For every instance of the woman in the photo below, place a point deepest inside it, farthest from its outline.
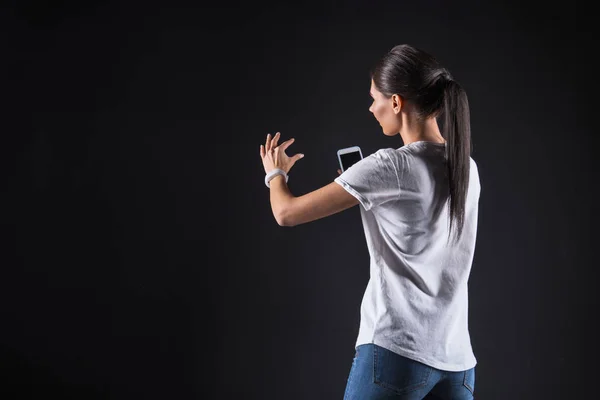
(413, 340)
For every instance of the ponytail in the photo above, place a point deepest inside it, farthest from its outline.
(457, 132)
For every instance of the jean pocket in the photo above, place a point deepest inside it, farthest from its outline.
(397, 373)
(469, 380)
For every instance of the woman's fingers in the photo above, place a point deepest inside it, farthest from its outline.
(286, 144)
(275, 140)
(271, 141)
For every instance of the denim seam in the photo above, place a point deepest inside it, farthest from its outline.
(390, 387)
(467, 385)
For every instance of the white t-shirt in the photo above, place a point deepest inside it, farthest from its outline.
(416, 301)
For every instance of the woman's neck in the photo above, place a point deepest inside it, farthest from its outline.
(422, 131)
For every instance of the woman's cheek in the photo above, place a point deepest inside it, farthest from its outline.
(378, 113)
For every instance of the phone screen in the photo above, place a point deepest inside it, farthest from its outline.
(349, 159)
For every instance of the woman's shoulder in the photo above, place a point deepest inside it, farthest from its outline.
(386, 151)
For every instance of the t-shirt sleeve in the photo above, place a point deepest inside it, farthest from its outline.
(372, 180)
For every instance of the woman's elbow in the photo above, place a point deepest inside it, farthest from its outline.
(284, 219)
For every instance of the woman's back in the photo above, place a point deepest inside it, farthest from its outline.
(416, 301)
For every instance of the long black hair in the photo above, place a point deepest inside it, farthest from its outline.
(418, 78)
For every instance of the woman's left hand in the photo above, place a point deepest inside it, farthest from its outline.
(274, 156)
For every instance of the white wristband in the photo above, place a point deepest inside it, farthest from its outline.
(273, 173)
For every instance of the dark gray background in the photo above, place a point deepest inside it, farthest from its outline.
(141, 258)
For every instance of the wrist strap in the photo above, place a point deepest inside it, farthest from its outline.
(273, 173)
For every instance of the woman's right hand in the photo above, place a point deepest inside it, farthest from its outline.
(339, 171)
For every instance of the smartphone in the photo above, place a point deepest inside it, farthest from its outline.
(349, 156)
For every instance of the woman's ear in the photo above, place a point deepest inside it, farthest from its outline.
(397, 102)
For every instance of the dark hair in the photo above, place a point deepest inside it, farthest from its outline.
(418, 78)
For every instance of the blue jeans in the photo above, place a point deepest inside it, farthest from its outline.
(378, 373)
